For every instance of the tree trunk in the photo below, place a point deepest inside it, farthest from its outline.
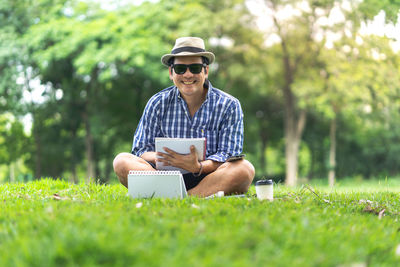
(74, 175)
(310, 174)
(293, 131)
(293, 126)
(97, 170)
(109, 159)
(89, 148)
(107, 170)
(263, 158)
(264, 142)
(12, 172)
(89, 142)
(332, 153)
(74, 160)
(295, 119)
(38, 147)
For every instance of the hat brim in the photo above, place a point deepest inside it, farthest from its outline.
(210, 56)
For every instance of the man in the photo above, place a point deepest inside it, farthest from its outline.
(190, 109)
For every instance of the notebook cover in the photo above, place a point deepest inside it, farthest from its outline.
(182, 146)
(149, 184)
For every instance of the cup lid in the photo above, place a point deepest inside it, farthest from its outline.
(264, 182)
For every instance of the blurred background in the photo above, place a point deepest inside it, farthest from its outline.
(318, 80)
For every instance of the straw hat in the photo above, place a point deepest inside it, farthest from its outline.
(188, 46)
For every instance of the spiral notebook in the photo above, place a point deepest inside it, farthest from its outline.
(161, 184)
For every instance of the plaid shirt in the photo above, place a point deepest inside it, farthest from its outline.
(219, 119)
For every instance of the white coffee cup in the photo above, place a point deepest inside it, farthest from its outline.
(265, 190)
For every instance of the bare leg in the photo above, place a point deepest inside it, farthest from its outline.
(124, 162)
(230, 177)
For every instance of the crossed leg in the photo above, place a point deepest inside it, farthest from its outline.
(230, 177)
(124, 162)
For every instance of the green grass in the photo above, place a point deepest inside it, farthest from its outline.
(98, 225)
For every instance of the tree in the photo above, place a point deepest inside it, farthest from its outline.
(105, 74)
(14, 143)
(302, 30)
(342, 91)
(299, 55)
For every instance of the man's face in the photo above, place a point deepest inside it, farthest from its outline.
(189, 84)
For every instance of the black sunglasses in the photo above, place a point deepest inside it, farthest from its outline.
(194, 68)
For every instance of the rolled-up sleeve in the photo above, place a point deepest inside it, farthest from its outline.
(143, 140)
(230, 135)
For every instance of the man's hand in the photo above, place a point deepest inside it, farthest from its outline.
(149, 156)
(189, 162)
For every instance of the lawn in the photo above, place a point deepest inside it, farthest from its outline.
(55, 223)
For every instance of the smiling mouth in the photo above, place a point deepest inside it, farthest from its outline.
(187, 83)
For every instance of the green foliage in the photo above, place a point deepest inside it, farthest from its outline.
(99, 67)
(14, 146)
(13, 141)
(95, 66)
(53, 223)
(370, 8)
(107, 65)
